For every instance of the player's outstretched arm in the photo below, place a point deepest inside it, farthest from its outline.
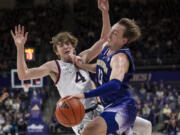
(24, 73)
(91, 53)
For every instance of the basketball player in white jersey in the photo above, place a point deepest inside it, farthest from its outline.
(67, 78)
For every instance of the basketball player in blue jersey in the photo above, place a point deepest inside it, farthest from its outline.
(114, 69)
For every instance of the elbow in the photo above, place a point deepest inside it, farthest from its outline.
(21, 77)
(103, 39)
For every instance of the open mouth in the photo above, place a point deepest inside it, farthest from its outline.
(67, 52)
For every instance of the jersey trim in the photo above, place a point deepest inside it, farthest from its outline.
(59, 72)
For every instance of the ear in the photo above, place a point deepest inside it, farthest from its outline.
(125, 40)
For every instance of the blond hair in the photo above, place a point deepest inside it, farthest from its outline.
(132, 31)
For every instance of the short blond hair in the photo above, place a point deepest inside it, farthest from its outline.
(63, 37)
(132, 31)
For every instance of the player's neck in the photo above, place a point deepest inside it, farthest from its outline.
(116, 48)
(67, 60)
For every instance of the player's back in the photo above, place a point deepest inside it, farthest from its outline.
(72, 80)
(103, 71)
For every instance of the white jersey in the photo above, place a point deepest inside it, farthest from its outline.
(72, 80)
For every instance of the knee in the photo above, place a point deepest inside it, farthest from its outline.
(95, 127)
(88, 130)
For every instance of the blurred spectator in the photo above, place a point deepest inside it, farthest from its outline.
(146, 111)
(172, 125)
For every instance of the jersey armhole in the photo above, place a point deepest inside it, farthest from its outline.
(59, 72)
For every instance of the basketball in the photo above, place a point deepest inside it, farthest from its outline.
(69, 112)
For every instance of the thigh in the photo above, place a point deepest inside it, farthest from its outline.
(96, 127)
(119, 119)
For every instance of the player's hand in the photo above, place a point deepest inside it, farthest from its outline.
(79, 96)
(18, 36)
(103, 5)
(77, 60)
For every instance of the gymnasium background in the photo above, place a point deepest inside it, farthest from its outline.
(155, 85)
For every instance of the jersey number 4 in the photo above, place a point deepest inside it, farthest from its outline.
(79, 77)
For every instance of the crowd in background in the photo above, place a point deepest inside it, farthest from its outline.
(15, 110)
(159, 102)
(158, 20)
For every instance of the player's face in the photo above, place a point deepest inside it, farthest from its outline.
(115, 38)
(64, 49)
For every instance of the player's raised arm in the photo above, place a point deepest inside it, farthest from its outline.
(91, 53)
(103, 5)
(24, 73)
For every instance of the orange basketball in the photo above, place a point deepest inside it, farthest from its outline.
(69, 112)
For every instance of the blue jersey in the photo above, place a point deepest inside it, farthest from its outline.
(103, 72)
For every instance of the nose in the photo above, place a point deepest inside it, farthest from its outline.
(65, 46)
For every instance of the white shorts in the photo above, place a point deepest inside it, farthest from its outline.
(87, 118)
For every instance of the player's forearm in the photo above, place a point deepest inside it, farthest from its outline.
(89, 67)
(21, 65)
(108, 88)
(93, 52)
(106, 25)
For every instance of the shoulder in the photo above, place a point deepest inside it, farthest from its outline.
(119, 60)
(120, 57)
(50, 63)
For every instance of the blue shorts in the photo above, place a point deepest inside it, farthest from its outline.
(120, 118)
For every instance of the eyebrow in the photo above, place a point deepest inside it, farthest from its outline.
(115, 31)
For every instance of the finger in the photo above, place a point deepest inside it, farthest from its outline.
(26, 35)
(70, 97)
(65, 97)
(22, 32)
(15, 29)
(12, 34)
(19, 29)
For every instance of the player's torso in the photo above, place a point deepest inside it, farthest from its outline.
(73, 81)
(103, 72)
